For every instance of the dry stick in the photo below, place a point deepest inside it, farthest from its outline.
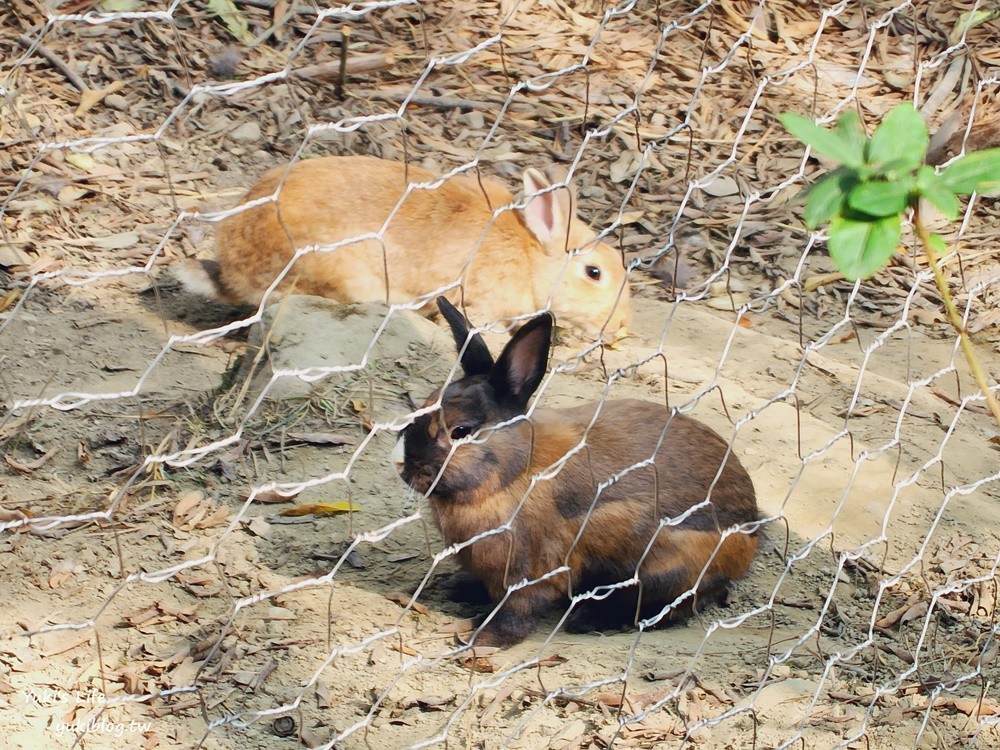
(821, 279)
(345, 43)
(357, 64)
(955, 318)
(429, 100)
(62, 67)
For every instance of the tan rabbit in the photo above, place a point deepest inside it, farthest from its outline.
(520, 262)
(603, 519)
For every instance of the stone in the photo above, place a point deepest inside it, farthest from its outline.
(312, 341)
(248, 132)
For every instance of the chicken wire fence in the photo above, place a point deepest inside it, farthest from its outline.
(161, 592)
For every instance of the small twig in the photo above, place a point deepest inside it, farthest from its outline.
(948, 398)
(428, 100)
(357, 64)
(273, 29)
(815, 282)
(796, 603)
(345, 44)
(955, 318)
(62, 67)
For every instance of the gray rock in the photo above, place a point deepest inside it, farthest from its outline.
(117, 101)
(474, 120)
(248, 132)
(313, 341)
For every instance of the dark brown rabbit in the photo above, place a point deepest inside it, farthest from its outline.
(573, 522)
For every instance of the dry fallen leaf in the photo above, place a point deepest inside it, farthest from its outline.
(321, 509)
(457, 626)
(216, 518)
(194, 578)
(918, 610)
(184, 614)
(70, 194)
(189, 510)
(30, 466)
(477, 664)
(259, 527)
(897, 614)
(61, 572)
(143, 616)
(11, 256)
(183, 674)
(234, 20)
(552, 661)
(401, 557)
(7, 515)
(972, 707)
(83, 162)
(429, 702)
(61, 641)
(612, 700)
(403, 648)
(90, 98)
(110, 242)
(323, 696)
(404, 601)
(273, 496)
(9, 299)
(132, 679)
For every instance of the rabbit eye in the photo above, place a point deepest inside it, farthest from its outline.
(593, 272)
(460, 432)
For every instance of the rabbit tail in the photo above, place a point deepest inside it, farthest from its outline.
(204, 279)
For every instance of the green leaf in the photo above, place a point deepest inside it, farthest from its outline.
(978, 172)
(828, 196)
(926, 177)
(851, 131)
(969, 20)
(937, 243)
(900, 142)
(880, 198)
(930, 187)
(860, 248)
(944, 201)
(235, 21)
(822, 141)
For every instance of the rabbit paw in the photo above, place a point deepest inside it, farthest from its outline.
(463, 587)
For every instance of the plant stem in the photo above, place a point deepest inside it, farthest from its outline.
(955, 318)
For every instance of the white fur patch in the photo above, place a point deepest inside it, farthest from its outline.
(196, 280)
(398, 453)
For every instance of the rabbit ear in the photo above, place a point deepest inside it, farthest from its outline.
(476, 357)
(522, 364)
(547, 216)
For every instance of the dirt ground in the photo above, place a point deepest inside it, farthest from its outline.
(160, 599)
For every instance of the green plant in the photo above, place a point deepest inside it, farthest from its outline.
(879, 180)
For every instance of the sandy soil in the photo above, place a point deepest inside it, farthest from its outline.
(260, 615)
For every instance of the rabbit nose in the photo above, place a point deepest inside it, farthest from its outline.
(398, 454)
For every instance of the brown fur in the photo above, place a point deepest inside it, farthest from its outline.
(562, 521)
(617, 531)
(435, 237)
